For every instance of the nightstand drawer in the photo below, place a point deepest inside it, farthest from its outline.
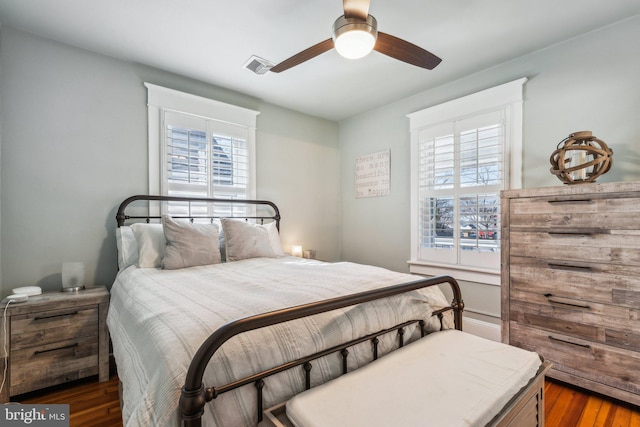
(55, 363)
(42, 328)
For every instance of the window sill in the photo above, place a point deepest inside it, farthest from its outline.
(458, 272)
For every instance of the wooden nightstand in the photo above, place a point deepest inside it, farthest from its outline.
(54, 338)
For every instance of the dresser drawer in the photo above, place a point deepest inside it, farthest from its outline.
(611, 366)
(602, 323)
(593, 211)
(620, 247)
(55, 363)
(45, 327)
(602, 283)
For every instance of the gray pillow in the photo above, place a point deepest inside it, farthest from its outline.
(246, 240)
(189, 245)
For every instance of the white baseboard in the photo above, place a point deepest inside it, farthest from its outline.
(482, 329)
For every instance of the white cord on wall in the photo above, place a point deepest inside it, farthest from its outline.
(4, 345)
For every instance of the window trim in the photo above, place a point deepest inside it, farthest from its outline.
(508, 96)
(159, 98)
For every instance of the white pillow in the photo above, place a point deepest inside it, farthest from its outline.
(127, 247)
(223, 249)
(189, 245)
(246, 240)
(274, 239)
(151, 244)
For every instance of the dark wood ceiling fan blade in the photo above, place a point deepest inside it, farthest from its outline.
(303, 56)
(405, 51)
(356, 8)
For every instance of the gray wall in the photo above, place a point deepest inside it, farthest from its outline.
(587, 83)
(74, 144)
(299, 169)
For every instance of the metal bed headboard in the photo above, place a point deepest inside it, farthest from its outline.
(121, 217)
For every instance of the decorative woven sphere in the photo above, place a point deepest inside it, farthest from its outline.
(580, 158)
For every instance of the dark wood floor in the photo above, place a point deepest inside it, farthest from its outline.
(94, 404)
(91, 404)
(566, 406)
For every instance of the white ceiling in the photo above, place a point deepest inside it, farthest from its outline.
(210, 40)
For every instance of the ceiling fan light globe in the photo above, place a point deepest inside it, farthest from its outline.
(355, 38)
(355, 44)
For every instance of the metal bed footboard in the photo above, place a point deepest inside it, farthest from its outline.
(195, 395)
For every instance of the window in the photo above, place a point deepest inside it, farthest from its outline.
(464, 153)
(204, 157)
(199, 147)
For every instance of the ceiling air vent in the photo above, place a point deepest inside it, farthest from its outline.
(258, 65)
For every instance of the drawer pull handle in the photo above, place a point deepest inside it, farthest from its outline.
(571, 201)
(573, 233)
(55, 315)
(569, 342)
(569, 267)
(66, 347)
(571, 304)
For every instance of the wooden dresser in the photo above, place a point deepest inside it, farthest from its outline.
(571, 282)
(54, 338)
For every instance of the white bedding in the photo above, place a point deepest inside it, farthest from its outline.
(158, 319)
(450, 379)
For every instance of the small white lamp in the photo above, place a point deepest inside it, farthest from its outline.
(72, 276)
(296, 250)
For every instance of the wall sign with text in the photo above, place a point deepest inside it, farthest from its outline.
(373, 174)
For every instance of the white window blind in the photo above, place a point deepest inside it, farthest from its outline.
(200, 147)
(204, 158)
(461, 157)
(460, 176)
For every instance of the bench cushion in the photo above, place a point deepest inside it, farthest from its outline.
(448, 378)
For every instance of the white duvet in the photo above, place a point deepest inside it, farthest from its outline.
(158, 319)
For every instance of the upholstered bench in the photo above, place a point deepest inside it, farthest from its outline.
(448, 379)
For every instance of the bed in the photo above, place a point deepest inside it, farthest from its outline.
(212, 340)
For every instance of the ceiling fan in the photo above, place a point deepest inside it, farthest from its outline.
(355, 34)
